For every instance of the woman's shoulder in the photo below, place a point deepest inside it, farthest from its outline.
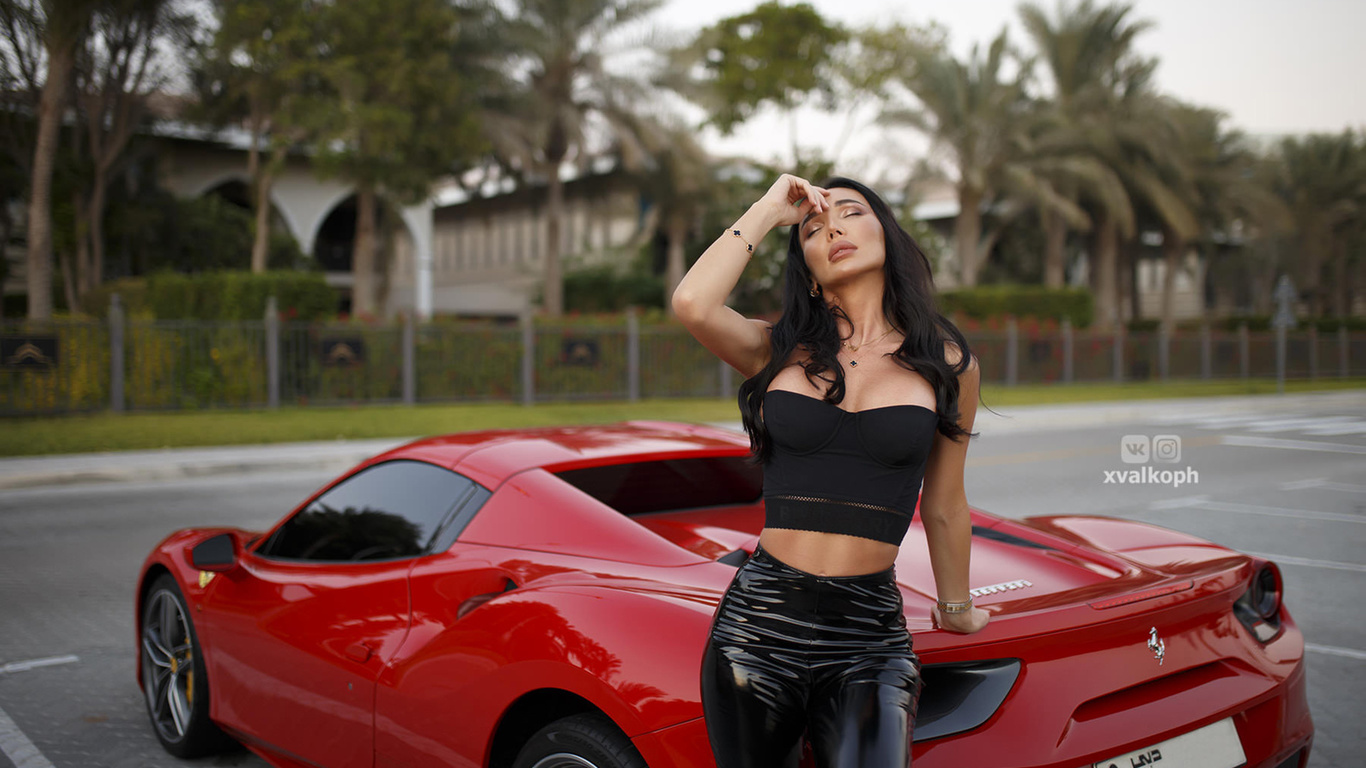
(953, 354)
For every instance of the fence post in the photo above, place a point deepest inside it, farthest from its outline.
(633, 354)
(727, 384)
(1117, 358)
(409, 360)
(1244, 355)
(1012, 352)
(1313, 352)
(1067, 371)
(272, 352)
(1206, 362)
(528, 360)
(1164, 342)
(1280, 358)
(1342, 351)
(116, 369)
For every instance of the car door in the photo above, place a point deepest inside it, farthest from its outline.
(303, 627)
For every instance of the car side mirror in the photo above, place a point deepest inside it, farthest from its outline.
(217, 553)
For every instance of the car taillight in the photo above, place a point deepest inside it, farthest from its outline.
(1266, 592)
(1259, 608)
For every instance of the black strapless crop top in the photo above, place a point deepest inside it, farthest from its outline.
(852, 472)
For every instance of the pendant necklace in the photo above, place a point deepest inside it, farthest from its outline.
(854, 348)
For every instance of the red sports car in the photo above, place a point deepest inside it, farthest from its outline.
(542, 598)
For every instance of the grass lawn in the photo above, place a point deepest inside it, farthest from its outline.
(112, 432)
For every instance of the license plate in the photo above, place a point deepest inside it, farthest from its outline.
(1214, 746)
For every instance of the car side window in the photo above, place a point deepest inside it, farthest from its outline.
(391, 510)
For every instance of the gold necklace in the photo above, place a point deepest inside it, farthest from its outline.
(852, 348)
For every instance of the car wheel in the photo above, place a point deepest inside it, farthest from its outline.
(581, 741)
(173, 681)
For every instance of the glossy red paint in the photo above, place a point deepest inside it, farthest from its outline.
(549, 602)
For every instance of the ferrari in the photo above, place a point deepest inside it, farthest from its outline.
(541, 598)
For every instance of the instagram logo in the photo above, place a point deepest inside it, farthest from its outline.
(1158, 449)
(1166, 448)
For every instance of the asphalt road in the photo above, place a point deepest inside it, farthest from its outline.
(1287, 482)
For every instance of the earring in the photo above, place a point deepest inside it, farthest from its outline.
(814, 293)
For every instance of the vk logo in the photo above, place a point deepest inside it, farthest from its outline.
(1134, 449)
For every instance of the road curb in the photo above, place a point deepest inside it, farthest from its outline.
(174, 464)
(339, 455)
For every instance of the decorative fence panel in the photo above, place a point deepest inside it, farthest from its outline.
(71, 367)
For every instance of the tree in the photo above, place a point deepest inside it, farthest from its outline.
(121, 64)
(1322, 180)
(1101, 109)
(64, 24)
(676, 178)
(1219, 187)
(968, 109)
(557, 49)
(396, 113)
(775, 55)
(253, 70)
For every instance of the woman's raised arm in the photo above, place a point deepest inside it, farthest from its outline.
(700, 299)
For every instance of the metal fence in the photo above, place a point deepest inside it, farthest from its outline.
(70, 366)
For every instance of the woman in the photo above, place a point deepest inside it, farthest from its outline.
(856, 395)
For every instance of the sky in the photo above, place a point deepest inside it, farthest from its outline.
(1274, 66)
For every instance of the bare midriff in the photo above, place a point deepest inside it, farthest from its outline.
(828, 554)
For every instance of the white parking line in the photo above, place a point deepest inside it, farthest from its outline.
(1202, 502)
(1306, 424)
(1310, 563)
(24, 666)
(1324, 483)
(18, 748)
(1296, 445)
(1333, 650)
(1350, 428)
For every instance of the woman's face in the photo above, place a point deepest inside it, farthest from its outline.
(843, 241)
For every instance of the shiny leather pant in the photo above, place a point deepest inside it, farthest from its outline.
(792, 652)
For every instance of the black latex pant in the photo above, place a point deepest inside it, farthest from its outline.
(792, 652)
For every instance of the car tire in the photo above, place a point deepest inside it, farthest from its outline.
(588, 740)
(174, 683)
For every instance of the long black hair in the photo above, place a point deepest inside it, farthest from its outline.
(808, 322)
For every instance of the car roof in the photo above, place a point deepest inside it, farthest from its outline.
(492, 456)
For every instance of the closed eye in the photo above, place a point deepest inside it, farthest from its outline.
(851, 208)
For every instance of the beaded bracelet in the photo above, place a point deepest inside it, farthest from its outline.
(748, 247)
(949, 606)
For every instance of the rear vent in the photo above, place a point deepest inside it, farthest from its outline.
(1160, 689)
(1006, 538)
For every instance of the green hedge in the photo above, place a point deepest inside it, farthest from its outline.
(239, 295)
(1021, 301)
(601, 289)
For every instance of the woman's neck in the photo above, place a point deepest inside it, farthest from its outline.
(862, 303)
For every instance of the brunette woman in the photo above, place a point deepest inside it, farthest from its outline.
(859, 402)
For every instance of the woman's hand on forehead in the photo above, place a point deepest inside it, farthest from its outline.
(792, 198)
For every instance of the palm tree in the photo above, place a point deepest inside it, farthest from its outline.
(1221, 188)
(1103, 108)
(558, 45)
(677, 174)
(1322, 179)
(969, 110)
